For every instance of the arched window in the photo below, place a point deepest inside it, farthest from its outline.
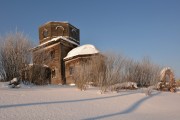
(52, 54)
(71, 70)
(75, 33)
(45, 33)
(60, 30)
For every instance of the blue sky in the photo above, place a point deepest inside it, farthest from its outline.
(135, 28)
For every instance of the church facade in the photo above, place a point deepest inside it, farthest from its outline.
(56, 39)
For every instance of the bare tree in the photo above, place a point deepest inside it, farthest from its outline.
(102, 70)
(89, 70)
(111, 70)
(114, 66)
(178, 83)
(82, 76)
(14, 55)
(149, 74)
(144, 72)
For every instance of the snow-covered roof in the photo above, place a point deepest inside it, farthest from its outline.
(56, 39)
(87, 49)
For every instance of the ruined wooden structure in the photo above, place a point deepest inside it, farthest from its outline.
(167, 80)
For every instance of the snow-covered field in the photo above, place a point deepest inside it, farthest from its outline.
(67, 103)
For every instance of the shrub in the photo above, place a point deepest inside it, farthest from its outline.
(89, 70)
(178, 83)
(14, 55)
(148, 91)
(111, 69)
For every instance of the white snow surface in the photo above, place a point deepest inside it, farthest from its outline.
(59, 102)
(87, 49)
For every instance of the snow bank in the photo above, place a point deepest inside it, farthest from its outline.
(124, 85)
(87, 49)
(4, 84)
(178, 90)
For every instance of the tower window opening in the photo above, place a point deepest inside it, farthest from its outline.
(53, 73)
(71, 70)
(52, 54)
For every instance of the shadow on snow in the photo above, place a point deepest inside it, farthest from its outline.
(61, 102)
(130, 109)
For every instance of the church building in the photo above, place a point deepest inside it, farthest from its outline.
(56, 40)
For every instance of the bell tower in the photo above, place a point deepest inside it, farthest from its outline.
(54, 29)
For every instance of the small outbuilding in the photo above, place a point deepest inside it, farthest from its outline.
(76, 57)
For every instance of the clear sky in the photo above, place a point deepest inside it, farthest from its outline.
(135, 28)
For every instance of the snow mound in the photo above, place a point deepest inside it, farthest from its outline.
(4, 84)
(87, 49)
(178, 90)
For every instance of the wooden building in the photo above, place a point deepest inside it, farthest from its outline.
(56, 39)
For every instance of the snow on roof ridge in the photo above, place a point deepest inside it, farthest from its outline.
(86, 49)
(55, 39)
(66, 39)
